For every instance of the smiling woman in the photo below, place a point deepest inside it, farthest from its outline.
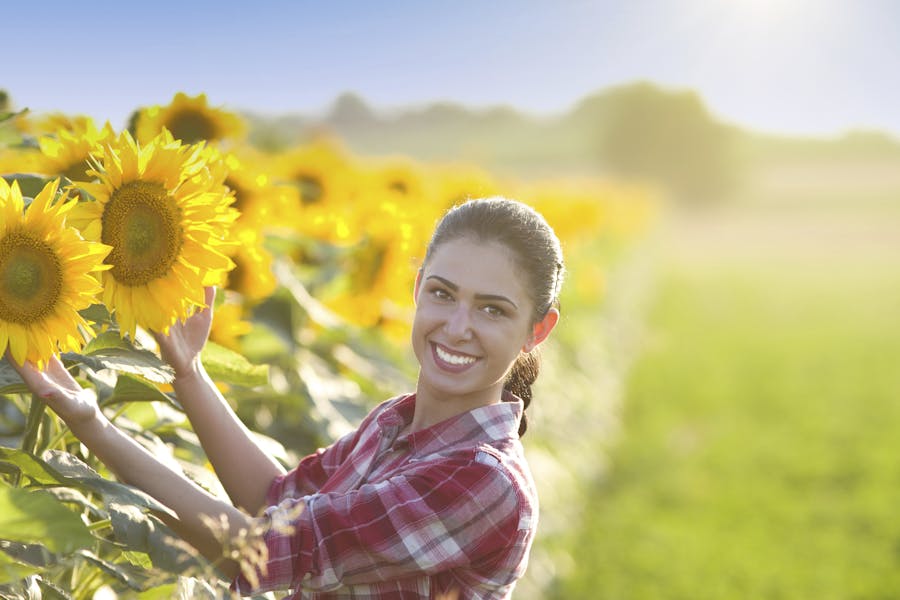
(431, 497)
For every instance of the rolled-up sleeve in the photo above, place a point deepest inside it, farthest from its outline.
(434, 517)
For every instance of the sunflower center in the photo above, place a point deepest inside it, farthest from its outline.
(399, 186)
(30, 278)
(142, 223)
(77, 171)
(310, 187)
(191, 126)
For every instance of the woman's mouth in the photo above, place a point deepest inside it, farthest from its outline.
(451, 361)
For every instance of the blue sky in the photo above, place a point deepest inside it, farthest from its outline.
(794, 66)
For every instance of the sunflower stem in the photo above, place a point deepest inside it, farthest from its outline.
(33, 424)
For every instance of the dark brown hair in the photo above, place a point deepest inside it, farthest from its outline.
(536, 252)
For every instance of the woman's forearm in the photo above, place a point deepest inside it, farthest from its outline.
(245, 470)
(135, 465)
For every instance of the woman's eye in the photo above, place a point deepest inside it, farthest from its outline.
(494, 311)
(440, 294)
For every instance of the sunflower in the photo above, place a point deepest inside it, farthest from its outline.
(164, 210)
(252, 276)
(45, 275)
(228, 325)
(19, 160)
(67, 152)
(457, 184)
(261, 202)
(189, 119)
(379, 271)
(322, 179)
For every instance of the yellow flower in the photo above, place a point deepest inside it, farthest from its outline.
(379, 271)
(189, 119)
(18, 160)
(252, 276)
(262, 204)
(228, 326)
(164, 210)
(460, 183)
(322, 181)
(67, 152)
(45, 275)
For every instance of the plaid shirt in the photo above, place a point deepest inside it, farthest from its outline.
(446, 512)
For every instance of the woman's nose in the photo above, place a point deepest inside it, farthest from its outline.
(459, 322)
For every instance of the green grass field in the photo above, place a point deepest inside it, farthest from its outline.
(760, 448)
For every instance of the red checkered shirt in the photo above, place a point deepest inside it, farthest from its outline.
(446, 512)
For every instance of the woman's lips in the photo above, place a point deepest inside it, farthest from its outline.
(450, 360)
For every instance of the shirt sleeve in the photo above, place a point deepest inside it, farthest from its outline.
(315, 469)
(312, 471)
(434, 517)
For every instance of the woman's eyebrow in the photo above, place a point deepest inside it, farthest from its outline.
(491, 297)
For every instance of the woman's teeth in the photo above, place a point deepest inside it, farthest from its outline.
(453, 359)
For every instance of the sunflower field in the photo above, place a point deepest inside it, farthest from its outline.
(108, 235)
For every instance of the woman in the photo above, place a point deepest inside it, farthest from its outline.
(431, 496)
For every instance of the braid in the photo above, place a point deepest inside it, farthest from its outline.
(523, 374)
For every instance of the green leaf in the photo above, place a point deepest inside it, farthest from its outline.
(32, 516)
(163, 592)
(228, 366)
(76, 472)
(10, 382)
(130, 388)
(18, 561)
(51, 591)
(98, 313)
(31, 184)
(145, 533)
(133, 576)
(187, 587)
(109, 351)
(37, 471)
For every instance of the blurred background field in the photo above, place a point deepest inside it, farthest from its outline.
(718, 411)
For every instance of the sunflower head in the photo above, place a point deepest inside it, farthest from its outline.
(46, 275)
(164, 210)
(66, 153)
(189, 119)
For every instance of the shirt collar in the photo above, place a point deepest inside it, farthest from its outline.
(490, 423)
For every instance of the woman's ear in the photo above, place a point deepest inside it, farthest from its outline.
(541, 330)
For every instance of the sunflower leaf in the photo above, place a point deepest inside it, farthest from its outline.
(36, 470)
(145, 533)
(126, 572)
(76, 472)
(10, 382)
(109, 351)
(98, 313)
(31, 516)
(12, 569)
(130, 388)
(228, 366)
(30, 183)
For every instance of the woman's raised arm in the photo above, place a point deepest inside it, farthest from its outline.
(244, 468)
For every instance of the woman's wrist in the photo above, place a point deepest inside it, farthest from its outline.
(193, 371)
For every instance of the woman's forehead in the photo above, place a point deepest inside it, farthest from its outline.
(468, 263)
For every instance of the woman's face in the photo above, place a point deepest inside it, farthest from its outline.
(473, 317)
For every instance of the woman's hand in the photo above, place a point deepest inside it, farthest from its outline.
(182, 345)
(56, 386)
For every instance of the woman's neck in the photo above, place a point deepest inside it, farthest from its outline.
(433, 406)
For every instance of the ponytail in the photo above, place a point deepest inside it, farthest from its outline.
(523, 374)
